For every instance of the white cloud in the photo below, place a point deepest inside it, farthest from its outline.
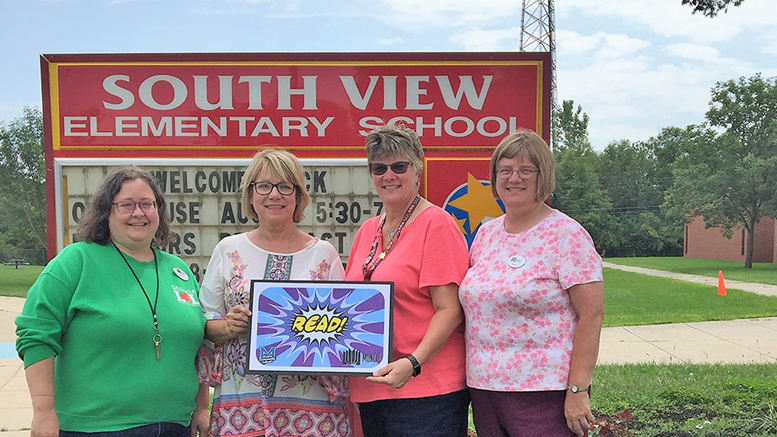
(391, 41)
(572, 43)
(489, 40)
(703, 54)
(668, 18)
(602, 45)
(444, 13)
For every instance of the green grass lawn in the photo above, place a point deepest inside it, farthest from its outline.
(635, 299)
(763, 273)
(15, 282)
(686, 400)
(680, 400)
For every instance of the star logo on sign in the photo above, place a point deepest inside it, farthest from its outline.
(478, 202)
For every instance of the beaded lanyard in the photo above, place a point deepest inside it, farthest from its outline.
(368, 267)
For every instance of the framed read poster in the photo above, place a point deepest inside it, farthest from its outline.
(322, 327)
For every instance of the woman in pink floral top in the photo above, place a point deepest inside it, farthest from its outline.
(533, 304)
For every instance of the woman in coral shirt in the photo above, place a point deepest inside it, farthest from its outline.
(418, 246)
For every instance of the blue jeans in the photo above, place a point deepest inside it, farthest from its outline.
(161, 429)
(435, 416)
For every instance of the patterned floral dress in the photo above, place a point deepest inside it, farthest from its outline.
(262, 404)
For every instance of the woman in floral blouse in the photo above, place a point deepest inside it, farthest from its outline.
(533, 304)
(273, 192)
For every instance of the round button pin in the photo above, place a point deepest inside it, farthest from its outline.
(181, 274)
(516, 261)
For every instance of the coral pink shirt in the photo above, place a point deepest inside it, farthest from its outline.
(430, 251)
(519, 316)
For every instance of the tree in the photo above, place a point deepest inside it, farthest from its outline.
(711, 8)
(578, 191)
(579, 194)
(22, 187)
(570, 128)
(666, 148)
(729, 180)
(629, 173)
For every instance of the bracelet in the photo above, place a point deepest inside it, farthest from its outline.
(43, 397)
(576, 389)
(416, 365)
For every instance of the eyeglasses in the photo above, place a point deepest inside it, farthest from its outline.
(524, 172)
(265, 188)
(399, 167)
(128, 207)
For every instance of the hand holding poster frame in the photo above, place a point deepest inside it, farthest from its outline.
(320, 327)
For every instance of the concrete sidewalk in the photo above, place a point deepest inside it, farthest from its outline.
(733, 342)
(15, 403)
(737, 341)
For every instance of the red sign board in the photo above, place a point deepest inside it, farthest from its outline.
(227, 105)
(166, 107)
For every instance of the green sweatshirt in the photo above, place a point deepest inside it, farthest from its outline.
(87, 309)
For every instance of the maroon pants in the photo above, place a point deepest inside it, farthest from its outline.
(519, 414)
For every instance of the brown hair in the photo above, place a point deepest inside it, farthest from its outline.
(93, 226)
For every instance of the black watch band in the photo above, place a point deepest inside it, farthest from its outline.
(416, 365)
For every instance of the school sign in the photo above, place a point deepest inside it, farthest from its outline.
(195, 120)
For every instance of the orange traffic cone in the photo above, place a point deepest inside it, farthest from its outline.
(721, 285)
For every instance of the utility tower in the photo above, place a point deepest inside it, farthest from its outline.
(538, 34)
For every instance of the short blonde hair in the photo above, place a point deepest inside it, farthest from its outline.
(395, 139)
(282, 165)
(527, 143)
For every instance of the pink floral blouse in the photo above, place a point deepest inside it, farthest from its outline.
(520, 322)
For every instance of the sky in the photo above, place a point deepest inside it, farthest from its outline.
(634, 66)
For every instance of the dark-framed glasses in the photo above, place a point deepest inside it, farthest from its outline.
(265, 188)
(524, 172)
(399, 167)
(128, 206)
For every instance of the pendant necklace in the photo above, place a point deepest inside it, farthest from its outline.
(368, 267)
(259, 238)
(157, 338)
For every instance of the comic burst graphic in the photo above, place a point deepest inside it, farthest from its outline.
(316, 326)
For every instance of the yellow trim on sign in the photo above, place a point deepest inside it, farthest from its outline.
(540, 100)
(54, 98)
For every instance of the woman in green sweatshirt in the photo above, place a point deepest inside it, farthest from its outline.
(111, 327)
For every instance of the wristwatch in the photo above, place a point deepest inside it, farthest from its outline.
(576, 389)
(416, 365)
